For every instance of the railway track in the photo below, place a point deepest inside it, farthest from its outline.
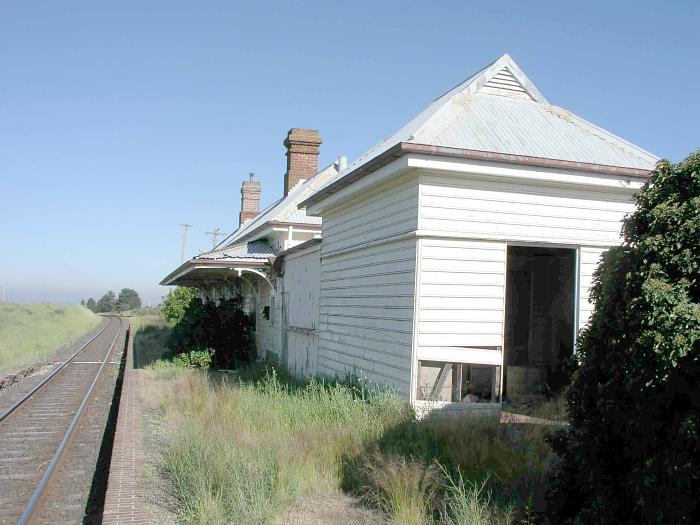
(45, 476)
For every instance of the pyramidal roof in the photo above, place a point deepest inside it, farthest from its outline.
(500, 110)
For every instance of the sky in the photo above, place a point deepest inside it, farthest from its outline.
(121, 120)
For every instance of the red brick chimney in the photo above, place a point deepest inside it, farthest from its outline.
(250, 200)
(302, 156)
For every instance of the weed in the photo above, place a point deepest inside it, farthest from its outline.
(403, 488)
(242, 447)
(469, 503)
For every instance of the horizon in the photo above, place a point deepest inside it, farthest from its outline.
(119, 123)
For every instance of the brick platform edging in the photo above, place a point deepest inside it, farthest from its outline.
(124, 502)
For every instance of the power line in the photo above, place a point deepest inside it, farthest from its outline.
(215, 233)
(186, 228)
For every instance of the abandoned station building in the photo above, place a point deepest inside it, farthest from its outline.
(452, 261)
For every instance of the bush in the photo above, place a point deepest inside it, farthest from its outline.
(197, 358)
(632, 453)
(176, 303)
(225, 329)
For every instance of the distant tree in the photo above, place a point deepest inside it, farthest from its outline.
(128, 300)
(632, 451)
(91, 304)
(176, 303)
(107, 303)
(82, 302)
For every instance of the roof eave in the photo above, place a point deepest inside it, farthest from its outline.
(194, 264)
(257, 232)
(403, 148)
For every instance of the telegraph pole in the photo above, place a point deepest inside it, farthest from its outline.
(215, 233)
(185, 227)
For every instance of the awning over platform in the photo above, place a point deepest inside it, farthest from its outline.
(220, 265)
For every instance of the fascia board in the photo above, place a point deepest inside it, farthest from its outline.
(547, 176)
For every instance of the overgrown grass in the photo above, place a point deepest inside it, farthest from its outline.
(240, 449)
(552, 408)
(29, 333)
(150, 334)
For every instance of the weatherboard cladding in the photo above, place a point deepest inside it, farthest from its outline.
(367, 287)
(589, 257)
(506, 210)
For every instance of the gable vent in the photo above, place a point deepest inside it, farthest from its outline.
(505, 84)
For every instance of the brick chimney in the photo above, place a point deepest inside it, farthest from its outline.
(250, 200)
(302, 156)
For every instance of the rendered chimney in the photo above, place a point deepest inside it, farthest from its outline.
(302, 156)
(250, 200)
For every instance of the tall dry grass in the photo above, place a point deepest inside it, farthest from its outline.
(239, 450)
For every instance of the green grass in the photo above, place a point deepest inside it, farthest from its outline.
(241, 449)
(29, 333)
(150, 333)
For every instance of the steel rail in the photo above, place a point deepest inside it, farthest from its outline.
(36, 496)
(48, 378)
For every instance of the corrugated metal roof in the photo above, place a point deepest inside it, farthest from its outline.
(500, 110)
(521, 127)
(259, 249)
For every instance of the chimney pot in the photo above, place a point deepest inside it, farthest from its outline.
(302, 156)
(342, 163)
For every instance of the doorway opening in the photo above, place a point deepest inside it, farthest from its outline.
(540, 316)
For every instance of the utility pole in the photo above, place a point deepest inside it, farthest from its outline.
(215, 233)
(185, 227)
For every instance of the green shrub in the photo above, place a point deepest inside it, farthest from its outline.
(196, 358)
(632, 453)
(224, 328)
(176, 303)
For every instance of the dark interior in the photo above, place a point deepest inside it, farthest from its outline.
(539, 331)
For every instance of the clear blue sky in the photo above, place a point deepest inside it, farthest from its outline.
(120, 120)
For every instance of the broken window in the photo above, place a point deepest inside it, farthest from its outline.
(458, 382)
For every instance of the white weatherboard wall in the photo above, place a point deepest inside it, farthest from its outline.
(589, 257)
(489, 209)
(465, 226)
(302, 271)
(462, 291)
(367, 286)
(267, 332)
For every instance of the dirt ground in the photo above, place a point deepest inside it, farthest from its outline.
(329, 508)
